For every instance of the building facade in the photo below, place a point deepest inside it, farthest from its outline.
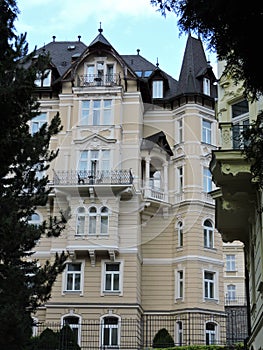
(238, 198)
(133, 171)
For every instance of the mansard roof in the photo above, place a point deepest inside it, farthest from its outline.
(66, 56)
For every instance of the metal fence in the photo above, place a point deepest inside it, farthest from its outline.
(130, 334)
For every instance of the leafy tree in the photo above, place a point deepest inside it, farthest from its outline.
(24, 285)
(163, 339)
(253, 148)
(229, 28)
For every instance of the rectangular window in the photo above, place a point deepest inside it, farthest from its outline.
(112, 277)
(96, 112)
(206, 131)
(180, 284)
(180, 130)
(206, 86)
(73, 277)
(230, 262)
(37, 122)
(180, 179)
(207, 180)
(209, 285)
(157, 89)
(231, 292)
(94, 161)
(85, 112)
(43, 79)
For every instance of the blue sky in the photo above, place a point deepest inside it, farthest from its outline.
(127, 24)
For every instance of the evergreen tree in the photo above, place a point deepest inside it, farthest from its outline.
(230, 28)
(24, 285)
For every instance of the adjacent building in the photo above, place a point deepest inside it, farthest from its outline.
(238, 198)
(133, 170)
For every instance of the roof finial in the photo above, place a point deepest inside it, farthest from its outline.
(157, 63)
(100, 29)
(138, 51)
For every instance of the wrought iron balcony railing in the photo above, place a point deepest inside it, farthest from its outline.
(238, 137)
(88, 177)
(99, 80)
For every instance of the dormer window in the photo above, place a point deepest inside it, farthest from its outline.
(157, 89)
(206, 86)
(43, 79)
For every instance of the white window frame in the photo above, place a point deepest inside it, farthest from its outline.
(35, 219)
(206, 86)
(207, 180)
(157, 89)
(73, 325)
(43, 82)
(180, 174)
(180, 284)
(179, 333)
(103, 277)
(81, 221)
(230, 262)
(208, 283)
(96, 112)
(206, 131)
(74, 273)
(38, 121)
(212, 335)
(94, 160)
(110, 328)
(180, 130)
(231, 292)
(208, 234)
(180, 234)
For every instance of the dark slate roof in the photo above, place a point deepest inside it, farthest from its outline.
(194, 66)
(139, 64)
(63, 53)
(156, 139)
(100, 38)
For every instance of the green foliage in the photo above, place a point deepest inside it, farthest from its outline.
(229, 29)
(50, 340)
(163, 339)
(24, 285)
(253, 148)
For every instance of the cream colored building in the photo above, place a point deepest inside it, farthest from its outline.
(133, 168)
(238, 200)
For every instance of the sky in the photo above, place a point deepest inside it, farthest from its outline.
(127, 24)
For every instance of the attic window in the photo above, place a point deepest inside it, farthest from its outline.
(157, 89)
(206, 86)
(71, 47)
(139, 73)
(147, 73)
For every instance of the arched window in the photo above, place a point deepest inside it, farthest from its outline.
(210, 333)
(104, 220)
(74, 323)
(110, 331)
(208, 234)
(92, 220)
(231, 292)
(180, 234)
(81, 221)
(34, 219)
(179, 333)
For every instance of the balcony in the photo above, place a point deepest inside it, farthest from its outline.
(92, 80)
(85, 181)
(232, 135)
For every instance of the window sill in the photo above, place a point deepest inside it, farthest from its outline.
(108, 293)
